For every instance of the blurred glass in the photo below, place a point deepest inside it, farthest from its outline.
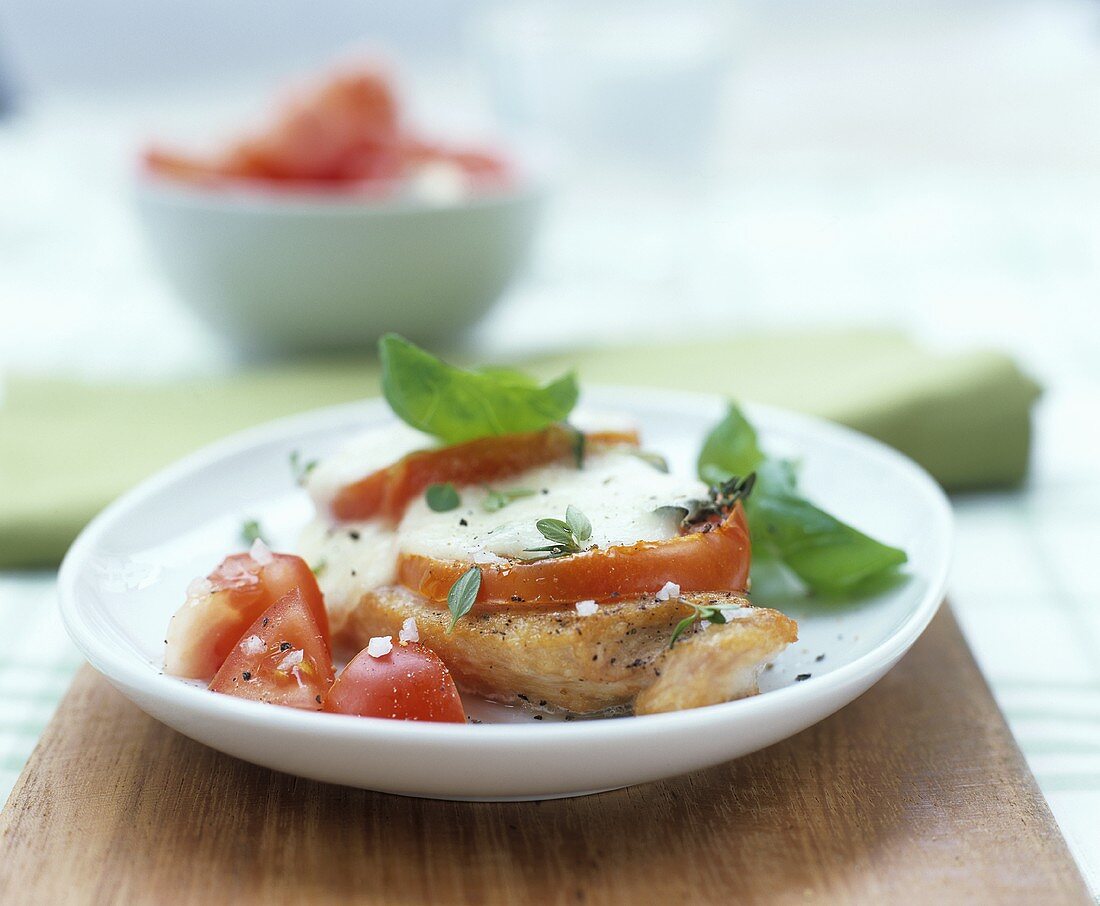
(630, 81)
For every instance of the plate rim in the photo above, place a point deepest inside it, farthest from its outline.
(118, 669)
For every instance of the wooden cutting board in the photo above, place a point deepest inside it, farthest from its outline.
(916, 793)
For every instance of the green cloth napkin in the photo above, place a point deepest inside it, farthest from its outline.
(68, 448)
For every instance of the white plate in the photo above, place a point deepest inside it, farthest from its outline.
(126, 575)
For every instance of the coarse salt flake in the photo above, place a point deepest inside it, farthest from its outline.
(234, 574)
(199, 588)
(586, 608)
(293, 659)
(380, 645)
(409, 632)
(252, 645)
(668, 590)
(261, 553)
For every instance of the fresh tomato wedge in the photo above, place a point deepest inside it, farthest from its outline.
(344, 132)
(346, 129)
(220, 607)
(282, 659)
(707, 559)
(329, 135)
(387, 492)
(409, 683)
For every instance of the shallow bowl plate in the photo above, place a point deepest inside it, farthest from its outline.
(126, 574)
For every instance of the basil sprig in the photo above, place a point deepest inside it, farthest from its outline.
(456, 405)
(828, 555)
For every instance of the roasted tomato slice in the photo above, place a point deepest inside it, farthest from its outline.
(387, 492)
(282, 659)
(714, 559)
(409, 683)
(220, 607)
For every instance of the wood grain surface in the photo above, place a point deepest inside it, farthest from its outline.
(916, 793)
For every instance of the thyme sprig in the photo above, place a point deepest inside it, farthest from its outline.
(720, 501)
(462, 595)
(709, 612)
(580, 447)
(656, 460)
(300, 468)
(498, 500)
(251, 531)
(568, 536)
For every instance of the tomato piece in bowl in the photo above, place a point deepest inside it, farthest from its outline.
(282, 659)
(220, 608)
(410, 682)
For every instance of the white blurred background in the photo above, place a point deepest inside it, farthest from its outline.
(932, 165)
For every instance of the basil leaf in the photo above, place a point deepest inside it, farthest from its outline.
(826, 554)
(457, 405)
(442, 498)
(578, 524)
(730, 449)
(462, 595)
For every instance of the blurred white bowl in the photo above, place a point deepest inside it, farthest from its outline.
(280, 272)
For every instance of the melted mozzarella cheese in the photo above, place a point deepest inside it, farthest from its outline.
(619, 493)
(350, 558)
(367, 453)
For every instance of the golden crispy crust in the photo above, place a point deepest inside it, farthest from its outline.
(615, 658)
